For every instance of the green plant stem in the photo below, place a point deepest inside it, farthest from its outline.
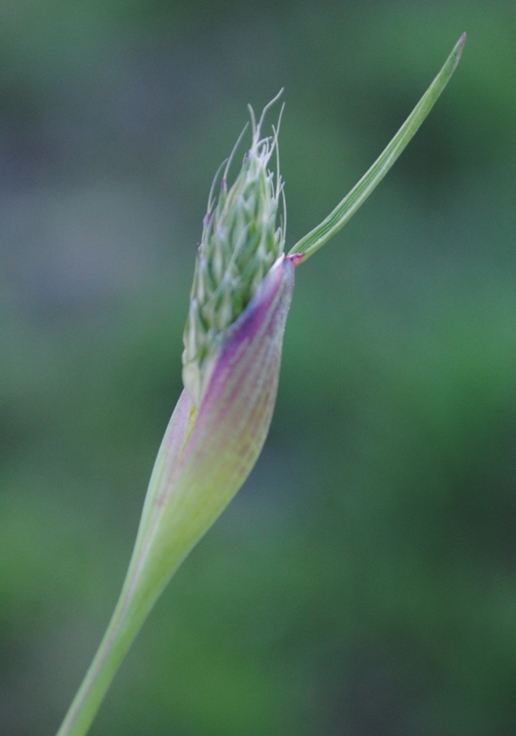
(146, 577)
(128, 616)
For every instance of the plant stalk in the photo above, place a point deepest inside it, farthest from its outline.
(130, 612)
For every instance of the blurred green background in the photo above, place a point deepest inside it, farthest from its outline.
(364, 580)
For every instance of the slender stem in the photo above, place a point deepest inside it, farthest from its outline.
(128, 616)
(146, 578)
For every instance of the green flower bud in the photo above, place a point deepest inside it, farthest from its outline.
(242, 238)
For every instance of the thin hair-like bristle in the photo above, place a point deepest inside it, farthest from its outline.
(267, 108)
(211, 196)
(232, 154)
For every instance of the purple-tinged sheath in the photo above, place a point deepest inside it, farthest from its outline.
(207, 454)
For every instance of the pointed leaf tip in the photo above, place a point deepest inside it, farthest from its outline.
(343, 212)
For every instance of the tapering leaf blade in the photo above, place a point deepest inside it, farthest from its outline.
(321, 234)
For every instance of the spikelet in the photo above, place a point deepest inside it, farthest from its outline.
(243, 235)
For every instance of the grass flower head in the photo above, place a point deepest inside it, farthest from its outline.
(241, 294)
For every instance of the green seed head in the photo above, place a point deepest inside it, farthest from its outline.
(241, 239)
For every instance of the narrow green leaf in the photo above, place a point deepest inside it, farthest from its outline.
(321, 234)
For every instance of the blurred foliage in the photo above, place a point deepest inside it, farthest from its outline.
(364, 580)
